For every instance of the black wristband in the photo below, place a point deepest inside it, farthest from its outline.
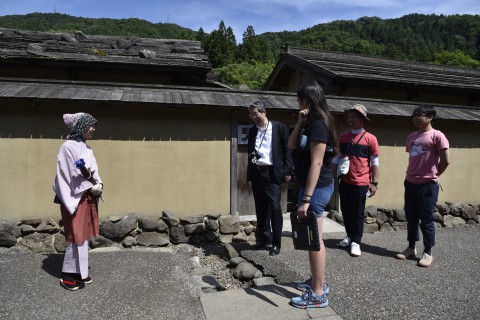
(374, 183)
(305, 200)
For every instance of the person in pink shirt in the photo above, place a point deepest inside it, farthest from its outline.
(77, 188)
(428, 159)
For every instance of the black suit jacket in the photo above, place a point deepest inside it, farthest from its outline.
(281, 155)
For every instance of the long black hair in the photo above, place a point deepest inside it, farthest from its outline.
(313, 93)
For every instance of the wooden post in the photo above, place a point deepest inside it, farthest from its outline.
(233, 164)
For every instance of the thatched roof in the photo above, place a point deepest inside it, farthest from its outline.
(34, 90)
(337, 65)
(32, 45)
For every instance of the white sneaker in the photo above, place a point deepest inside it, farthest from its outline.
(426, 260)
(345, 242)
(355, 250)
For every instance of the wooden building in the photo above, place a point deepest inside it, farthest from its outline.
(168, 137)
(353, 75)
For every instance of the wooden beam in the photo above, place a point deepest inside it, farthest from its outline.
(233, 163)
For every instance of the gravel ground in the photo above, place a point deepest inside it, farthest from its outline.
(378, 286)
(213, 257)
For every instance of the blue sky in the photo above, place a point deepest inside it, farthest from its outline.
(263, 15)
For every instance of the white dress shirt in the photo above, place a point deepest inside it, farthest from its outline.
(263, 145)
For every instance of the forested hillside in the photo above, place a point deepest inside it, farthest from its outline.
(413, 37)
(57, 22)
(432, 38)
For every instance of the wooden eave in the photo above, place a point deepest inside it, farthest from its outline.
(33, 90)
(358, 67)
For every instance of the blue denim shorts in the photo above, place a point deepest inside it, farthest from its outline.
(319, 200)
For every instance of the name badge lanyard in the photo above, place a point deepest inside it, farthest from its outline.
(261, 141)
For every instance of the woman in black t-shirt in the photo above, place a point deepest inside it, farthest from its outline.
(315, 140)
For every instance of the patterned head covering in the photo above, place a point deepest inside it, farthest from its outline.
(78, 123)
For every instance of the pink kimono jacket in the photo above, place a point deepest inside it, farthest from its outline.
(69, 184)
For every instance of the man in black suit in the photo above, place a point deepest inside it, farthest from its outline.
(269, 165)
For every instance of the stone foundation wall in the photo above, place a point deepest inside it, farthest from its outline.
(448, 214)
(45, 235)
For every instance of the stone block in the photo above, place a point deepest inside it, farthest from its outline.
(118, 229)
(191, 220)
(153, 239)
(230, 251)
(148, 223)
(229, 225)
(370, 228)
(212, 224)
(34, 221)
(48, 225)
(177, 234)
(399, 215)
(245, 271)
(38, 243)
(240, 237)
(170, 218)
(194, 228)
(60, 243)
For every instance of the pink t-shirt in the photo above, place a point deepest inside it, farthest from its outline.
(423, 159)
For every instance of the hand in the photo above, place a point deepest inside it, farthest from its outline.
(97, 189)
(80, 163)
(303, 115)
(302, 210)
(373, 189)
(287, 179)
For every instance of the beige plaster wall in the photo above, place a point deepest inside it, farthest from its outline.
(157, 158)
(151, 158)
(146, 177)
(458, 182)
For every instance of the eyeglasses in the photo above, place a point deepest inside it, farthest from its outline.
(254, 114)
(419, 115)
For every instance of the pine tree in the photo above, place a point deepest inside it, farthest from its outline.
(220, 46)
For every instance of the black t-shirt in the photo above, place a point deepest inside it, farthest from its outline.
(317, 131)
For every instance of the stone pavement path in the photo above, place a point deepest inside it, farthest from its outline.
(269, 302)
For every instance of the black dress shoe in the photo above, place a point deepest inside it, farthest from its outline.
(260, 245)
(275, 250)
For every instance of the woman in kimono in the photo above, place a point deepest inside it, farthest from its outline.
(77, 187)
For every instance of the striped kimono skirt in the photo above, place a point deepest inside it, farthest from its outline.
(79, 228)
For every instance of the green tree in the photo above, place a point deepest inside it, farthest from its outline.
(201, 36)
(253, 75)
(456, 58)
(254, 48)
(220, 46)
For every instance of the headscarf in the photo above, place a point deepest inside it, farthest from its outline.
(78, 123)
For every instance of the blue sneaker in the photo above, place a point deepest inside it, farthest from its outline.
(310, 299)
(304, 285)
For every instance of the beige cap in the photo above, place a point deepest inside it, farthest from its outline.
(359, 108)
